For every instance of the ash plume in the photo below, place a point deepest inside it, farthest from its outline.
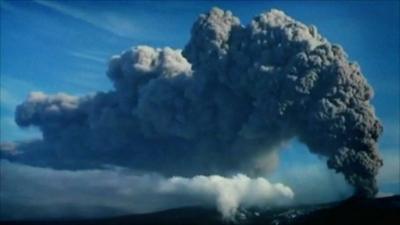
(223, 105)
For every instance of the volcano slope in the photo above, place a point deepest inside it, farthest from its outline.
(379, 211)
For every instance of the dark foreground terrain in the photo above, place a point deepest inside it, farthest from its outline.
(382, 211)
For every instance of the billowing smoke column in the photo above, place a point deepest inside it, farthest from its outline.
(222, 105)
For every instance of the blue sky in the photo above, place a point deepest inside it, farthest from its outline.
(65, 45)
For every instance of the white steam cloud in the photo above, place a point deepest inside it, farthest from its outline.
(125, 193)
(230, 193)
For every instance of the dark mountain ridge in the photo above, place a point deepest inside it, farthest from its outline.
(354, 211)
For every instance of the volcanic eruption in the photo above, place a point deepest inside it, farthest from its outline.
(222, 105)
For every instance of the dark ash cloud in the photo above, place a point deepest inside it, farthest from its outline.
(222, 105)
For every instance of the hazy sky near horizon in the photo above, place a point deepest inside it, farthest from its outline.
(54, 46)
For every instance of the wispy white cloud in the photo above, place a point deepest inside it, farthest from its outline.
(89, 56)
(106, 20)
